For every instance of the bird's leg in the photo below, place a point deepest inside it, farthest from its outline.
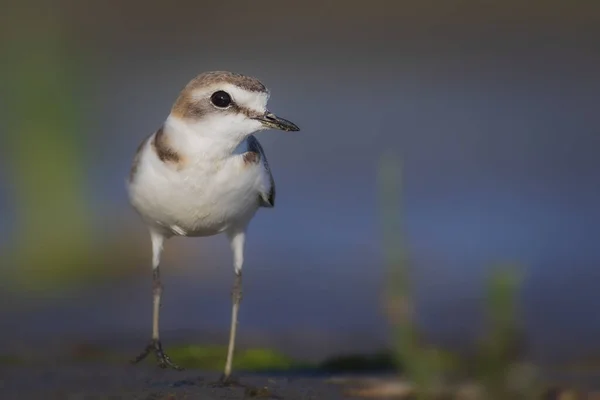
(236, 297)
(237, 245)
(155, 345)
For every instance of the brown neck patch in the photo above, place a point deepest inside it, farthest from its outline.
(163, 151)
(250, 158)
(253, 155)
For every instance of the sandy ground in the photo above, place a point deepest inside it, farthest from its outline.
(148, 382)
(97, 381)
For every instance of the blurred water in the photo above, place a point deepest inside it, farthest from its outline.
(497, 129)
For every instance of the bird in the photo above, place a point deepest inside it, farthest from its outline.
(202, 173)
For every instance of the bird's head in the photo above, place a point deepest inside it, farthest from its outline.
(227, 105)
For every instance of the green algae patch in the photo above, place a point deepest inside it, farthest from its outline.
(213, 358)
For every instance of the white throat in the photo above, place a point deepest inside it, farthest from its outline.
(211, 137)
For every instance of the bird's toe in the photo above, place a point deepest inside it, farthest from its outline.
(163, 360)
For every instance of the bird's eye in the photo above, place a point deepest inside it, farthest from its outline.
(221, 99)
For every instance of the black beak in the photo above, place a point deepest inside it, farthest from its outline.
(271, 120)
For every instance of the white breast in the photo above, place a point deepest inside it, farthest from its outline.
(202, 198)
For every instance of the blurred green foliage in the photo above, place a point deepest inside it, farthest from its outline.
(495, 367)
(45, 150)
(54, 244)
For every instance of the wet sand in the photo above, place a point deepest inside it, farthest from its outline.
(104, 381)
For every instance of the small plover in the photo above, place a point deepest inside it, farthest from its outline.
(204, 173)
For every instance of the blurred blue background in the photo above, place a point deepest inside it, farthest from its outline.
(491, 106)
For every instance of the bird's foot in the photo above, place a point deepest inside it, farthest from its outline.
(227, 381)
(249, 390)
(164, 361)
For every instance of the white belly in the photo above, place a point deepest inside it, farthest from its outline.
(200, 200)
